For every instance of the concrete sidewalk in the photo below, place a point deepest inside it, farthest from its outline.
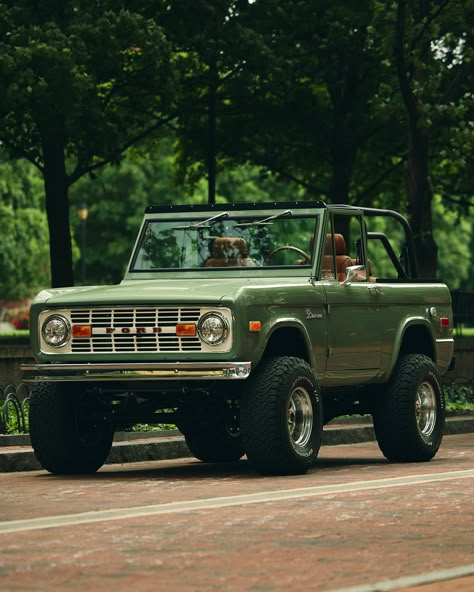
(16, 453)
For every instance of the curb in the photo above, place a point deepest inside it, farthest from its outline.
(134, 447)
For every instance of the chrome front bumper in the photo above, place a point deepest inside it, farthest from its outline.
(141, 371)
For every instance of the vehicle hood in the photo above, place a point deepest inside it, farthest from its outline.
(163, 291)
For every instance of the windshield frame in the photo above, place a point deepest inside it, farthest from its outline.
(199, 218)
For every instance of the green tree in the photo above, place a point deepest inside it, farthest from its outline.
(312, 103)
(454, 248)
(118, 195)
(359, 102)
(432, 54)
(80, 82)
(219, 51)
(24, 252)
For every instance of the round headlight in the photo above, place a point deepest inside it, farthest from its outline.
(56, 330)
(213, 328)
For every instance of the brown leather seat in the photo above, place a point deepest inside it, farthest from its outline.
(229, 251)
(343, 261)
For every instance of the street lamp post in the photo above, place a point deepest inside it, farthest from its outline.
(83, 212)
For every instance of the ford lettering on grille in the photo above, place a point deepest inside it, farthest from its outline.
(135, 330)
(126, 330)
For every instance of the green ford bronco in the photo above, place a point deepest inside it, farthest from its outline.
(249, 327)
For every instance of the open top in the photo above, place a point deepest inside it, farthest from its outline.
(309, 238)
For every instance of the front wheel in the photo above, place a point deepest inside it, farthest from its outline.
(409, 417)
(281, 418)
(65, 435)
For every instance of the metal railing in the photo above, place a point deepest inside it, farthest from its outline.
(14, 409)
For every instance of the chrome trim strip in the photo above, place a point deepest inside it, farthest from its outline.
(140, 371)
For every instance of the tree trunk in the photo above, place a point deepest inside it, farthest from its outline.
(342, 157)
(343, 147)
(339, 194)
(418, 184)
(57, 209)
(419, 199)
(340, 182)
(212, 128)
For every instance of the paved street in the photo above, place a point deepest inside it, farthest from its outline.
(355, 522)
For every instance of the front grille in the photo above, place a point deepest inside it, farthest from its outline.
(164, 319)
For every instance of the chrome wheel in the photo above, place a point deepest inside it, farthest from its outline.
(300, 417)
(426, 409)
(409, 417)
(281, 417)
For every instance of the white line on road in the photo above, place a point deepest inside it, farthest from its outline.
(223, 502)
(408, 581)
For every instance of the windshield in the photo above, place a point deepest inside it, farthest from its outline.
(226, 240)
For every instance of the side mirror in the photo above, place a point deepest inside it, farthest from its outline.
(356, 273)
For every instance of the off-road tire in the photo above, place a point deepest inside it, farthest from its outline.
(62, 440)
(409, 416)
(214, 444)
(281, 417)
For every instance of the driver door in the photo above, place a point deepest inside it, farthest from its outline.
(353, 325)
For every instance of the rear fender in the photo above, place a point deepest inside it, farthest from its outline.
(413, 336)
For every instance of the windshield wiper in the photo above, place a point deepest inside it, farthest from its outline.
(265, 221)
(203, 223)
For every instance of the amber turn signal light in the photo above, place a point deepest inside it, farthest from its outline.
(81, 330)
(255, 326)
(185, 330)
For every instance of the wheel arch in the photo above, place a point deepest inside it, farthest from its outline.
(414, 337)
(289, 339)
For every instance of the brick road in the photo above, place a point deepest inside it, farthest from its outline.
(181, 525)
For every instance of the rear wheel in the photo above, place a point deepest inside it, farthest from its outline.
(281, 419)
(409, 418)
(214, 433)
(66, 437)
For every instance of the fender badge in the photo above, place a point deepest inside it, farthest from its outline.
(312, 315)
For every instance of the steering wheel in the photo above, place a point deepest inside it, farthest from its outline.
(290, 248)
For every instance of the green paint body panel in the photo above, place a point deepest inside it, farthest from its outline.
(352, 334)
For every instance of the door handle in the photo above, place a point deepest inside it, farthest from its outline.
(374, 290)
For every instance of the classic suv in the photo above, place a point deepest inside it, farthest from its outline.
(249, 326)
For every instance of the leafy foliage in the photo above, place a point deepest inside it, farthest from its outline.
(81, 82)
(24, 252)
(265, 99)
(118, 195)
(459, 398)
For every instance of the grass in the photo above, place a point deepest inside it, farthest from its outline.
(158, 427)
(16, 337)
(464, 333)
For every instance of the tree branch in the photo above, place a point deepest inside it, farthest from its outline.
(80, 171)
(23, 154)
(316, 190)
(379, 179)
(462, 201)
(456, 82)
(428, 20)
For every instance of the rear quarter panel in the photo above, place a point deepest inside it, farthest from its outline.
(406, 305)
